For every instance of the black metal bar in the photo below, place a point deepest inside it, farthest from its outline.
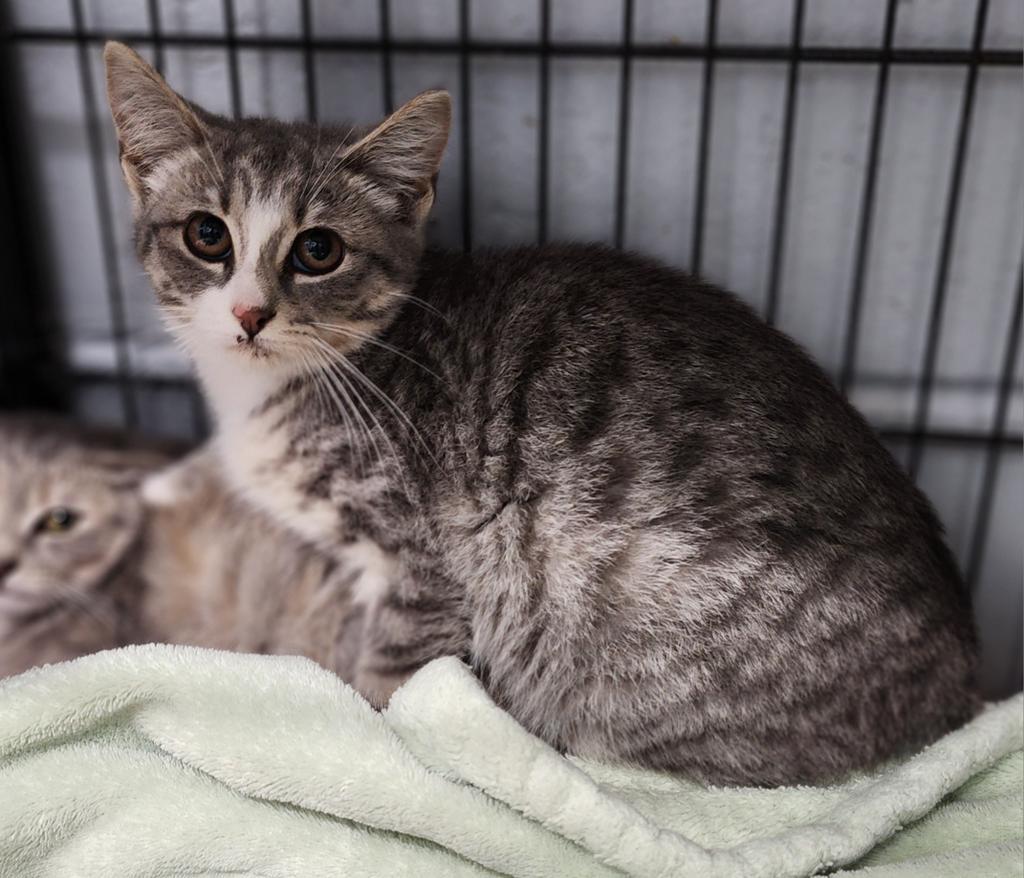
(386, 62)
(32, 364)
(543, 121)
(986, 497)
(720, 52)
(954, 437)
(465, 99)
(785, 162)
(158, 43)
(306, 10)
(703, 144)
(200, 427)
(964, 438)
(938, 301)
(231, 42)
(622, 149)
(862, 244)
(105, 217)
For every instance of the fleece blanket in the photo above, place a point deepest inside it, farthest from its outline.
(161, 761)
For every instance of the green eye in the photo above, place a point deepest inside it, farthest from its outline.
(57, 520)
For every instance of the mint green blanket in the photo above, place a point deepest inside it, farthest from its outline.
(161, 761)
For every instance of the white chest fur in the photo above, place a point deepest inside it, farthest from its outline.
(257, 464)
(254, 451)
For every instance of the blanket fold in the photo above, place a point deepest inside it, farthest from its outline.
(160, 760)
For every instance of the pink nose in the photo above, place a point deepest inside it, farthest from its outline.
(252, 319)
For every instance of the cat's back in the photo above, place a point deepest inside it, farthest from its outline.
(646, 317)
(605, 351)
(597, 338)
(648, 443)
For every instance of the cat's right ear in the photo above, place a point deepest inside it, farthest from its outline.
(151, 119)
(406, 149)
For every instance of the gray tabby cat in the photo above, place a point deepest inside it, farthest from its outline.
(648, 521)
(102, 544)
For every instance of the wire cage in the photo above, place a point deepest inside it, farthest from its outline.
(850, 169)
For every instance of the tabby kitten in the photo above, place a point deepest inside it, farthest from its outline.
(103, 543)
(70, 521)
(646, 518)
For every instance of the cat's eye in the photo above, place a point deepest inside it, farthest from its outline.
(207, 237)
(317, 251)
(57, 520)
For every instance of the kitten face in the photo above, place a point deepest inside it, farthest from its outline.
(272, 246)
(66, 519)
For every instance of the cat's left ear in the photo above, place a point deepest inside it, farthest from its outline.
(152, 120)
(405, 150)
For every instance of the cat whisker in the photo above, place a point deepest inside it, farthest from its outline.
(309, 176)
(326, 175)
(425, 305)
(213, 157)
(335, 388)
(330, 390)
(369, 411)
(328, 355)
(369, 339)
(313, 370)
(381, 395)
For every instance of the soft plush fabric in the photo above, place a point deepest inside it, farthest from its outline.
(162, 761)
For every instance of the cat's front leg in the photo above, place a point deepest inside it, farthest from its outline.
(417, 616)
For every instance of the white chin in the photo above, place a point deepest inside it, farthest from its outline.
(239, 377)
(255, 350)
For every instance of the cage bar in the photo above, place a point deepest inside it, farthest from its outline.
(622, 148)
(993, 451)
(954, 438)
(306, 12)
(720, 52)
(465, 99)
(785, 161)
(200, 426)
(153, 9)
(862, 245)
(387, 73)
(704, 138)
(105, 218)
(543, 120)
(32, 363)
(938, 300)
(231, 41)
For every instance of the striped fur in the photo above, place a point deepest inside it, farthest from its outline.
(646, 518)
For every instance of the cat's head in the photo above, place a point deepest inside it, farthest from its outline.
(271, 244)
(69, 512)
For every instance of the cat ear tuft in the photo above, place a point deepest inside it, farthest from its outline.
(406, 148)
(151, 119)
